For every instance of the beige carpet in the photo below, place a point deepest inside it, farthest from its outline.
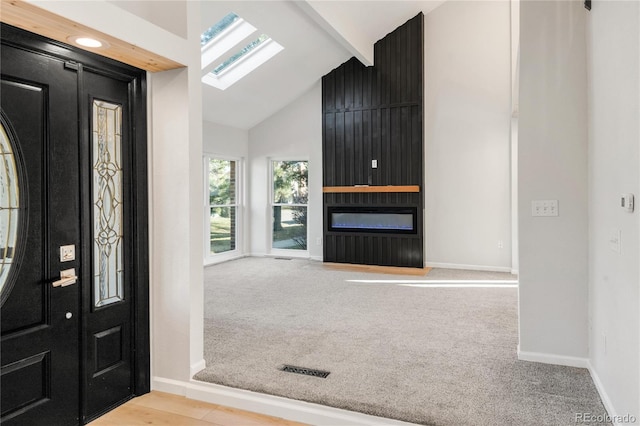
(439, 355)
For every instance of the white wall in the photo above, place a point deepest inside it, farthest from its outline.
(613, 40)
(225, 140)
(467, 135)
(552, 164)
(168, 14)
(176, 217)
(294, 132)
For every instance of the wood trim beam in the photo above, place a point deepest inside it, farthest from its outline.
(42, 22)
(366, 188)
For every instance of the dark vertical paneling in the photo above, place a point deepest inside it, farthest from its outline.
(348, 149)
(348, 84)
(329, 149)
(339, 152)
(366, 146)
(376, 113)
(340, 89)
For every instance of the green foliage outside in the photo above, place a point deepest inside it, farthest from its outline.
(290, 186)
(221, 193)
(221, 234)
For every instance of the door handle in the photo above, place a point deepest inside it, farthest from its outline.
(67, 277)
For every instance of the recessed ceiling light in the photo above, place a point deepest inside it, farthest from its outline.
(88, 42)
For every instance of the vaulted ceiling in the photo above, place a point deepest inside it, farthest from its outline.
(317, 36)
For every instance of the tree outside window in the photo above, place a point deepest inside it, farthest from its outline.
(222, 205)
(290, 198)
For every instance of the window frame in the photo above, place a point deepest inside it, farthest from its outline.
(209, 257)
(271, 204)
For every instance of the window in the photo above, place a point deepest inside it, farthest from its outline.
(222, 210)
(108, 262)
(9, 206)
(232, 36)
(290, 183)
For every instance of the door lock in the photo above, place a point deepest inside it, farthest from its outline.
(67, 253)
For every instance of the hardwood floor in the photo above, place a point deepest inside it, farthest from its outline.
(159, 408)
(377, 269)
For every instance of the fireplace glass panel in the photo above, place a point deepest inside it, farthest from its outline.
(367, 219)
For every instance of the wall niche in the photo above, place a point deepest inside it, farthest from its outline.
(374, 115)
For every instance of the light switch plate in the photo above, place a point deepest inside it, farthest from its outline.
(544, 208)
(627, 202)
(67, 253)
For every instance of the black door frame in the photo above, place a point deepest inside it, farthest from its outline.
(81, 60)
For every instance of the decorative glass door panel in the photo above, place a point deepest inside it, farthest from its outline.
(107, 203)
(9, 205)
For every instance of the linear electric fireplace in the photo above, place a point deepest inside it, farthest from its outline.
(382, 219)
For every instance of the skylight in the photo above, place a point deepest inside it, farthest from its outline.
(216, 29)
(248, 48)
(223, 38)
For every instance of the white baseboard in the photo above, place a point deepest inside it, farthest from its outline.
(544, 358)
(515, 272)
(606, 401)
(175, 387)
(270, 405)
(468, 267)
(211, 262)
(257, 254)
(569, 361)
(317, 258)
(197, 367)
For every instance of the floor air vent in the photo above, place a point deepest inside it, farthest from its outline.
(305, 371)
(283, 258)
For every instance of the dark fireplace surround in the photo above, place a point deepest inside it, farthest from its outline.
(372, 142)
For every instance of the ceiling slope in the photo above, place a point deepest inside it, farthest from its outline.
(309, 53)
(317, 37)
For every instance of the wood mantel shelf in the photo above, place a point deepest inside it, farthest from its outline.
(367, 188)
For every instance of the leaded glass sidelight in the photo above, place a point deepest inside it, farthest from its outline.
(107, 203)
(9, 205)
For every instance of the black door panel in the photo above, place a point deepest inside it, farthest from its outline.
(40, 370)
(66, 359)
(107, 328)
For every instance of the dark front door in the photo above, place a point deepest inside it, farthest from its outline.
(40, 322)
(73, 241)
(108, 334)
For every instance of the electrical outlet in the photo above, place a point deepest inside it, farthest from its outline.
(374, 164)
(500, 244)
(318, 241)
